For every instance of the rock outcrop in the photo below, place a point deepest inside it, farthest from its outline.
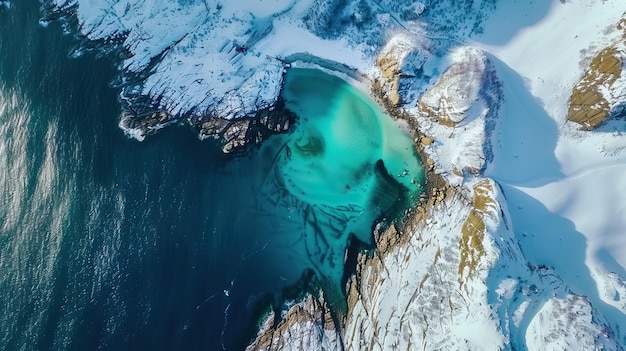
(234, 134)
(459, 114)
(307, 325)
(400, 62)
(462, 93)
(600, 94)
(590, 102)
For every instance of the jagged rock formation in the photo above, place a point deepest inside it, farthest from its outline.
(234, 134)
(600, 93)
(307, 325)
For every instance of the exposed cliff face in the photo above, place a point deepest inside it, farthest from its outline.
(589, 103)
(600, 94)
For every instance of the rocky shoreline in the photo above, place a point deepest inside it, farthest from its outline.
(311, 322)
(439, 194)
(237, 134)
(234, 134)
(142, 117)
(305, 317)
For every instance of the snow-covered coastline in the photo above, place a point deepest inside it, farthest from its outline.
(203, 59)
(545, 255)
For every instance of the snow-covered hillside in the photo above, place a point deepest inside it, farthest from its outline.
(521, 242)
(222, 59)
(564, 186)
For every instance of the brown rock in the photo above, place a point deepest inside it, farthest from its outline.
(588, 106)
(427, 141)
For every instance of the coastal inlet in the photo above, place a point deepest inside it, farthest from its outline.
(108, 243)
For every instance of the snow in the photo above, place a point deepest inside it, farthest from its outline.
(414, 296)
(526, 138)
(545, 42)
(580, 233)
(458, 88)
(564, 187)
(507, 288)
(567, 324)
(288, 39)
(188, 50)
(474, 100)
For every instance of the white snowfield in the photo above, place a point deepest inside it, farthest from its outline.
(550, 274)
(566, 188)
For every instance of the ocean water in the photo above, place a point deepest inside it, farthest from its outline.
(107, 243)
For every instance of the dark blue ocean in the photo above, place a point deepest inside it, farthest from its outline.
(107, 243)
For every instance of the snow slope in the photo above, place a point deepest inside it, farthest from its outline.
(564, 186)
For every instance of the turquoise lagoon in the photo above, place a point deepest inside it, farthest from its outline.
(346, 165)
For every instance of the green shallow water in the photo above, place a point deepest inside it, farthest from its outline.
(340, 136)
(111, 244)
